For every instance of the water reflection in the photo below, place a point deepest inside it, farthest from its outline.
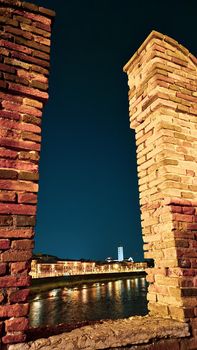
(114, 299)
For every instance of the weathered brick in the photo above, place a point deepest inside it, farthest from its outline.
(9, 114)
(4, 244)
(16, 233)
(6, 68)
(6, 142)
(18, 185)
(31, 59)
(10, 208)
(7, 196)
(20, 267)
(8, 174)
(12, 281)
(16, 324)
(26, 198)
(34, 29)
(37, 18)
(22, 244)
(25, 175)
(11, 338)
(13, 46)
(3, 267)
(21, 108)
(19, 296)
(43, 96)
(7, 153)
(5, 220)
(16, 255)
(25, 220)
(30, 136)
(31, 119)
(32, 155)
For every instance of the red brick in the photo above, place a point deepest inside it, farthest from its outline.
(22, 244)
(20, 126)
(20, 267)
(176, 209)
(47, 12)
(9, 115)
(30, 59)
(3, 84)
(182, 217)
(6, 153)
(38, 18)
(16, 324)
(8, 174)
(3, 267)
(10, 208)
(14, 281)
(18, 296)
(40, 54)
(19, 32)
(17, 164)
(10, 133)
(9, 97)
(8, 196)
(12, 338)
(27, 198)
(6, 68)
(42, 26)
(12, 46)
(43, 96)
(30, 76)
(4, 244)
(14, 78)
(2, 297)
(188, 210)
(21, 108)
(5, 142)
(192, 227)
(16, 233)
(16, 255)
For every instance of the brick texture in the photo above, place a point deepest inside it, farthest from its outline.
(24, 66)
(162, 79)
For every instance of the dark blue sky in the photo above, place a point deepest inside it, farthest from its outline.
(88, 199)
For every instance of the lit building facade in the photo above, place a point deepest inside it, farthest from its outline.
(65, 268)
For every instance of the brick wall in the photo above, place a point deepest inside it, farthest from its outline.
(24, 69)
(163, 111)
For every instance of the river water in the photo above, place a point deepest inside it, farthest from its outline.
(92, 301)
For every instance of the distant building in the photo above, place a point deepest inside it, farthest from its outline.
(130, 259)
(120, 254)
(109, 259)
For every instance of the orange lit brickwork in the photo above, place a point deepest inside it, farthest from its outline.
(24, 69)
(163, 111)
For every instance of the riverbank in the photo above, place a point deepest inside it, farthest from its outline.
(39, 285)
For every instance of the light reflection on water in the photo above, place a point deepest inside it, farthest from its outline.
(93, 301)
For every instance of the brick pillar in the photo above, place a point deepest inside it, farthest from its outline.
(24, 69)
(162, 106)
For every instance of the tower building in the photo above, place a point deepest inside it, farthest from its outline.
(120, 254)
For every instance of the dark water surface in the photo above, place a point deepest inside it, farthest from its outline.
(92, 301)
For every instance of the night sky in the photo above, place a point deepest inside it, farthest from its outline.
(88, 198)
